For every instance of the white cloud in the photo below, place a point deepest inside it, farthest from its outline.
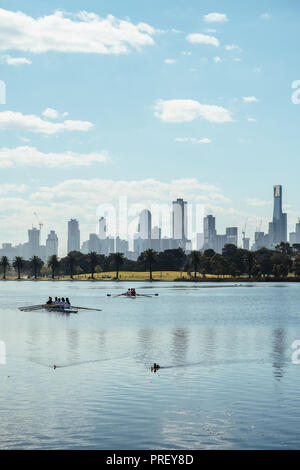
(250, 119)
(13, 188)
(15, 61)
(62, 32)
(50, 113)
(189, 110)
(265, 16)
(217, 59)
(10, 120)
(30, 156)
(232, 47)
(199, 38)
(192, 140)
(186, 53)
(215, 18)
(170, 61)
(257, 202)
(250, 99)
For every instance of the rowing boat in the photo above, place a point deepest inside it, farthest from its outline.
(60, 309)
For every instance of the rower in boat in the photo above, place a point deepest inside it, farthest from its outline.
(49, 302)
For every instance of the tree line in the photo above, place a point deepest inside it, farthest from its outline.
(233, 261)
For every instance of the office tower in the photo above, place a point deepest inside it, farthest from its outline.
(179, 220)
(232, 235)
(33, 246)
(199, 241)
(209, 230)
(156, 239)
(102, 228)
(246, 243)
(121, 245)
(295, 236)
(94, 243)
(73, 235)
(278, 227)
(144, 227)
(51, 245)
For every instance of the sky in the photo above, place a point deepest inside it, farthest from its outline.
(149, 101)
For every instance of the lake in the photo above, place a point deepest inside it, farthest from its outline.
(227, 380)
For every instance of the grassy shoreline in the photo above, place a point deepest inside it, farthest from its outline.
(158, 276)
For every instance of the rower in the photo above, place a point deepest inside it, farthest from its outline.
(55, 301)
(49, 302)
(68, 303)
(133, 293)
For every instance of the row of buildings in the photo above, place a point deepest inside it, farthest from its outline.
(148, 236)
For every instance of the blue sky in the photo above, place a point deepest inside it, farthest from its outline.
(166, 99)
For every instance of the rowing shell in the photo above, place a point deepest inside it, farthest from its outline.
(49, 309)
(60, 310)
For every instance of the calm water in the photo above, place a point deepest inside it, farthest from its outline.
(227, 380)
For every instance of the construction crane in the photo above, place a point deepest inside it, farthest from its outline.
(39, 222)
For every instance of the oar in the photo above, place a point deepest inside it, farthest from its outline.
(87, 308)
(31, 307)
(146, 295)
(113, 296)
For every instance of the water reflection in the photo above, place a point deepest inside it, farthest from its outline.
(279, 348)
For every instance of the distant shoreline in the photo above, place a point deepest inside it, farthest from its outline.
(177, 280)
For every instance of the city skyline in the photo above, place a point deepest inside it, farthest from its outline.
(182, 108)
(146, 235)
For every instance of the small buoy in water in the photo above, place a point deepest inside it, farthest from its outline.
(155, 367)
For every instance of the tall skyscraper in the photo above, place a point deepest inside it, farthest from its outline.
(278, 227)
(102, 228)
(51, 245)
(232, 235)
(179, 220)
(209, 230)
(144, 227)
(73, 235)
(33, 246)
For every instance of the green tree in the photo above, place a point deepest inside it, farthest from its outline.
(4, 263)
(35, 263)
(148, 258)
(219, 264)
(53, 263)
(93, 262)
(195, 260)
(117, 260)
(19, 264)
(296, 265)
(72, 262)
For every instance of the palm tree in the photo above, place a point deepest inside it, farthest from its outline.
(4, 262)
(18, 264)
(35, 263)
(53, 263)
(195, 258)
(93, 260)
(118, 260)
(148, 257)
(71, 262)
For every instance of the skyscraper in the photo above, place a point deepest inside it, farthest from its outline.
(232, 235)
(278, 227)
(51, 245)
(209, 230)
(73, 235)
(179, 220)
(102, 228)
(33, 246)
(144, 227)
